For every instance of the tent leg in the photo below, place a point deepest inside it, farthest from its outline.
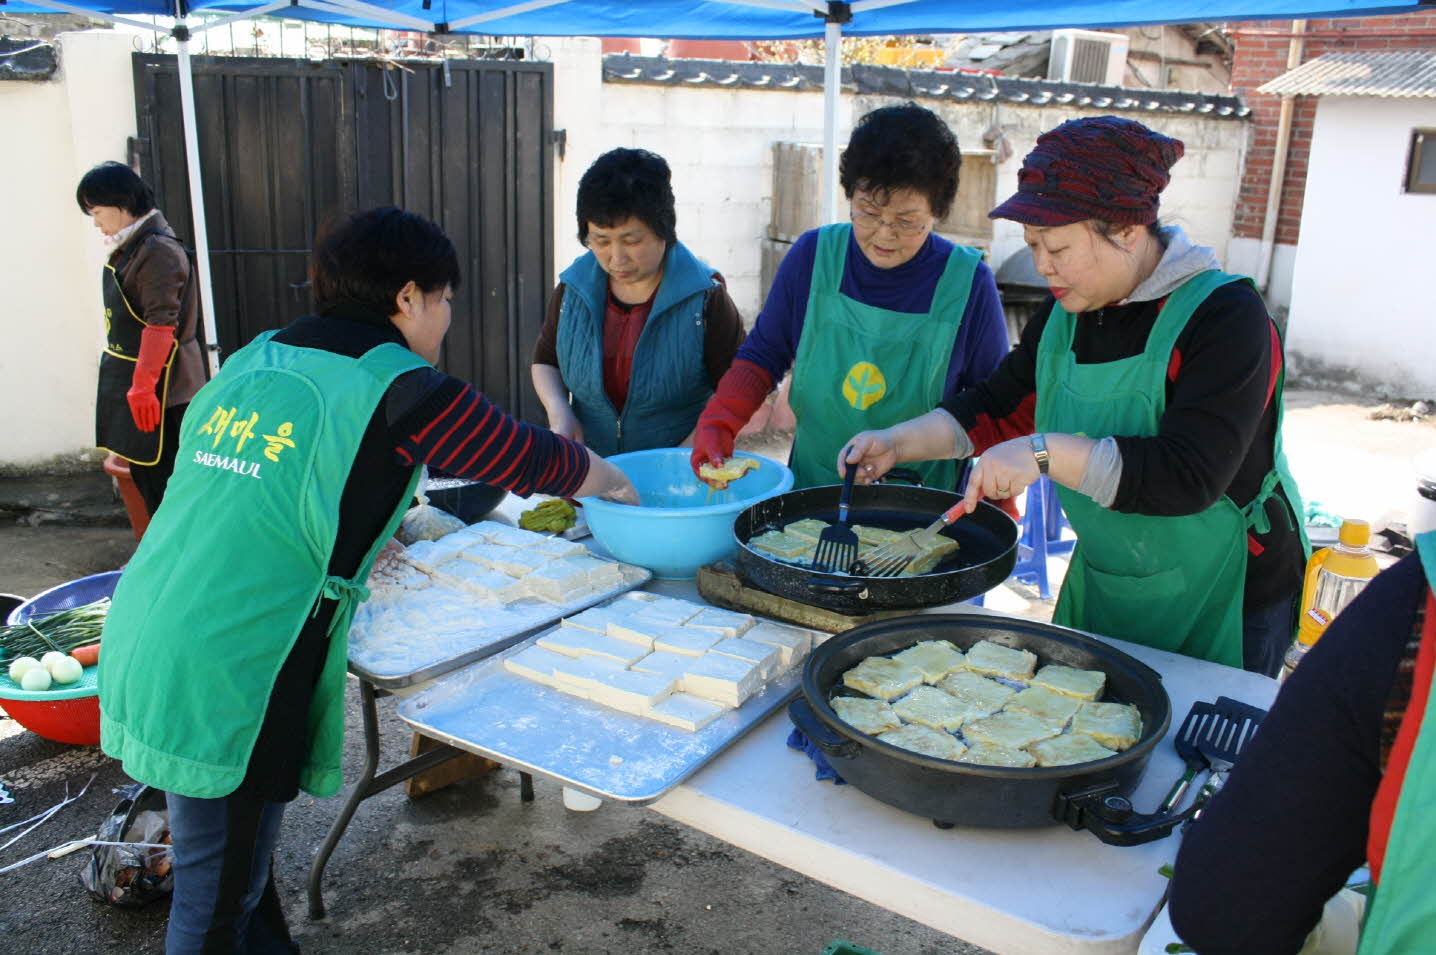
(196, 196)
(832, 90)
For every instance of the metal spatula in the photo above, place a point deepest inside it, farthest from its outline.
(1224, 743)
(838, 545)
(1192, 727)
(892, 558)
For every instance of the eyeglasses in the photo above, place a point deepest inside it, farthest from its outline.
(871, 220)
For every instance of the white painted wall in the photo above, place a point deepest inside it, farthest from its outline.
(1244, 258)
(50, 254)
(1359, 298)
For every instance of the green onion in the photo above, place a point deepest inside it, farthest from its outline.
(63, 630)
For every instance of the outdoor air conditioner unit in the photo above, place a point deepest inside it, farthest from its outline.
(1086, 56)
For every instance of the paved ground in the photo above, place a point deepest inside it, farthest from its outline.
(471, 868)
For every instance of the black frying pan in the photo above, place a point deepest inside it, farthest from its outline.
(987, 550)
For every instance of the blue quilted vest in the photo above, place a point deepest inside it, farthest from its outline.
(670, 383)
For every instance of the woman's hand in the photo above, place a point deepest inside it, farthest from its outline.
(1004, 470)
(873, 453)
(605, 480)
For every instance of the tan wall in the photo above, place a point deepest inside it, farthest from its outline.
(51, 254)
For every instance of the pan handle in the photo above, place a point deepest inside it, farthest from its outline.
(903, 474)
(1109, 816)
(856, 588)
(807, 722)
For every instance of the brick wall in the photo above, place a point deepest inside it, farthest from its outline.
(1261, 55)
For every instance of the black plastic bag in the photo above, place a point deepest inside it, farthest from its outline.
(131, 876)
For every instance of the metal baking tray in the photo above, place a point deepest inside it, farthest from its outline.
(392, 666)
(487, 710)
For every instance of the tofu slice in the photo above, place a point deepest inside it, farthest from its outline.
(558, 547)
(690, 641)
(935, 658)
(809, 528)
(536, 663)
(1042, 702)
(520, 562)
(782, 546)
(978, 695)
(883, 678)
(427, 555)
(864, 715)
(875, 536)
(651, 619)
(557, 581)
(1009, 729)
(602, 574)
(496, 533)
(685, 711)
(1083, 684)
(925, 740)
(664, 663)
(985, 754)
(631, 691)
(730, 623)
(573, 642)
(934, 553)
(764, 656)
(726, 680)
(480, 581)
(931, 707)
(792, 643)
(484, 553)
(995, 660)
(580, 675)
(731, 470)
(594, 619)
(1114, 725)
(1067, 749)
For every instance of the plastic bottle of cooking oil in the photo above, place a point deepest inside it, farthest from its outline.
(1335, 575)
(1313, 624)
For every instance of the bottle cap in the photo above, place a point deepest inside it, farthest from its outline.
(1312, 625)
(1355, 533)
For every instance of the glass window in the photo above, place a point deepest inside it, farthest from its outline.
(1421, 169)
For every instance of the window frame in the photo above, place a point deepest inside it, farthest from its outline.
(1422, 139)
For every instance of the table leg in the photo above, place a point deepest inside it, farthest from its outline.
(369, 711)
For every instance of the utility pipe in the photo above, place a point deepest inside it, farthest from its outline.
(1278, 166)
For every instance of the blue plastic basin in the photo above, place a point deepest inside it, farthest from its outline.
(75, 593)
(680, 527)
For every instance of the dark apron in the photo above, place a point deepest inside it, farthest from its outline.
(115, 429)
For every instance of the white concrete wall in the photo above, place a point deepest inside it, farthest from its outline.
(1244, 258)
(50, 254)
(1359, 300)
(719, 144)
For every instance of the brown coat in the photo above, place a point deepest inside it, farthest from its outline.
(157, 285)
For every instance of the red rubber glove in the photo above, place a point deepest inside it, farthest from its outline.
(155, 344)
(740, 392)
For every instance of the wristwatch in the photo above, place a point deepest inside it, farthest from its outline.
(1040, 452)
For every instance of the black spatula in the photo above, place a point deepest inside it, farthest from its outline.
(1224, 742)
(837, 549)
(1192, 727)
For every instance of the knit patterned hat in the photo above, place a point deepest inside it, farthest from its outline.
(1101, 167)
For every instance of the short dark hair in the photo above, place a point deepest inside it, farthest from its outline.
(628, 183)
(114, 184)
(903, 147)
(366, 260)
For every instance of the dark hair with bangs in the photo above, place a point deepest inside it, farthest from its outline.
(628, 183)
(903, 147)
(371, 256)
(114, 184)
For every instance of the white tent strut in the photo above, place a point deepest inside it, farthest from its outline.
(196, 195)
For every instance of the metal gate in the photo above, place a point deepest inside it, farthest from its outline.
(288, 145)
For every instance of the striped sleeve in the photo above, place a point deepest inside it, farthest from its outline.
(458, 431)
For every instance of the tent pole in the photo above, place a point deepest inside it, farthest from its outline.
(196, 194)
(832, 88)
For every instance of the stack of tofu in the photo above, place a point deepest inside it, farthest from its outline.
(680, 663)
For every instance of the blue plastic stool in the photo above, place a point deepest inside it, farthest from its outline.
(1042, 524)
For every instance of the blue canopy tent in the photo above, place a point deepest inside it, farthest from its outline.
(676, 19)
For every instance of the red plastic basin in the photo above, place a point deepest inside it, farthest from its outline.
(75, 720)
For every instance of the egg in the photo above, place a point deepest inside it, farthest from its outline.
(20, 666)
(35, 679)
(66, 670)
(52, 656)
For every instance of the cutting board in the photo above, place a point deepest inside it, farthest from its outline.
(720, 585)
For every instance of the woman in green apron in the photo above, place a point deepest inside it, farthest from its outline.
(152, 364)
(1150, 393)
(1342, 773)
(878, 318)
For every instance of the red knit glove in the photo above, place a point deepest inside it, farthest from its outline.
(740, 392)
(155, 344)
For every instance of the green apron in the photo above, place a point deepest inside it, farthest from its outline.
(212, 603)
(861, 367)
(1174, 583)
(1401, 917)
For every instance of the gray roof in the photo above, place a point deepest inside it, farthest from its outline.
(931, 84)
(1407, 74)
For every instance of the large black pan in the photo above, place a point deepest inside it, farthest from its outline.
(1088, 795)
(987, 550)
